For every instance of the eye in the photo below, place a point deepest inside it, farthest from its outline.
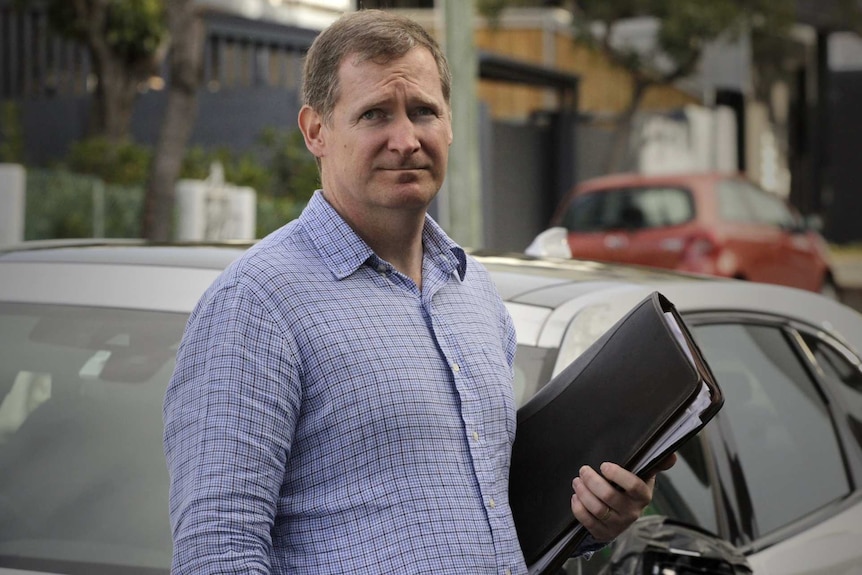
(372, 114)
(424, 111)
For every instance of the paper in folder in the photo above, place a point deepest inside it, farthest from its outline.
(632, 398)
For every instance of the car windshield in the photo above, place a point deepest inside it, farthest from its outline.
(84, 487)
(84, 481)
(533, 369)
(629, 208)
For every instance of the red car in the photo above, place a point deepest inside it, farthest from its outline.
(710, 223)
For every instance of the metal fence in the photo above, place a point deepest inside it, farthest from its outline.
(35, 62)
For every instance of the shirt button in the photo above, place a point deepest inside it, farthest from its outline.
(456, 368)
(507, 571)
(492, 504)
(476, 435)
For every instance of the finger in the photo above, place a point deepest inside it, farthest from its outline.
(667, 462)
(591, 501)
(664, 464)
(601, 531)
(606, 489)
(631, 485)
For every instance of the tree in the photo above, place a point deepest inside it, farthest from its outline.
(684, 29)
(185, 66)
(126, 40)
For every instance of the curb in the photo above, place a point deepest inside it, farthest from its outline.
(847, 269)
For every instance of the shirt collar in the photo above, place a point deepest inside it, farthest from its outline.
(445, 252)
(343, 251)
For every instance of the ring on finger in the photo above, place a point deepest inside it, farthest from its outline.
(606, 514)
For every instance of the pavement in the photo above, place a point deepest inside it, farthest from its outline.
(847, 268)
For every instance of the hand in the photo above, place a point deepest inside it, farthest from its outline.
(608, 503)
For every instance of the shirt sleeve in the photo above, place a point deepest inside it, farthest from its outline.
(589, 546)
(230, 412)
(510, 338)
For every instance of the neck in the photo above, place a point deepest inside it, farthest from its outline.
(401, 246)
(395, 235)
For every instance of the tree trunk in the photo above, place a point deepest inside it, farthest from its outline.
(623, 129)
(186, 56)
(118, 79)
(114, 98)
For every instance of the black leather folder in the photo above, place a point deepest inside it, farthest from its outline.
(612, 403)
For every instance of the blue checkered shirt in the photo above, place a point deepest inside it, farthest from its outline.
(326, 416)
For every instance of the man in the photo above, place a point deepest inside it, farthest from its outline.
(342, 400)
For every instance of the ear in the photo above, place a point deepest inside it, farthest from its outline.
(451, 134)
(311, 126)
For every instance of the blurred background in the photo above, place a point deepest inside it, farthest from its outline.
(175, 119)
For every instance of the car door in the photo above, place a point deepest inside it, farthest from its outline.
(660, 226)
(797, 260)
(776, 472)
(754, 244)
(593, 221)
(786, 463)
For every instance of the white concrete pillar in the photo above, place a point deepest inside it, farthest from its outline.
(191, 213)
(13, 180)
(244, 211)
(208, 211)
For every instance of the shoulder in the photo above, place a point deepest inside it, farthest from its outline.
(274, 264)
(478, 275)
(285, 254)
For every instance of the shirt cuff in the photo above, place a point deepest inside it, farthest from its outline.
(589, 546)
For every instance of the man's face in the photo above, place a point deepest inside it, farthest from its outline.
(386, 145)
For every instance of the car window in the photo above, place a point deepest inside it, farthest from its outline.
(84, 476)
(769, 209)
(663, 207)
(629, 208)
(780, 424)
(742, 201)
(533, 369)
(732, 203)
(598, 211)
(684, 492)
(842, 369)
(584, 213)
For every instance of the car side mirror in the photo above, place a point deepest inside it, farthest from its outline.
(658, 544)
(552, 242)
(804, 224)
(813, 222)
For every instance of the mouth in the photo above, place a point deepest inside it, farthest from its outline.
(406, 174)
(403, 168)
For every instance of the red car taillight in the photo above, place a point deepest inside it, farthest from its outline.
(700, 246)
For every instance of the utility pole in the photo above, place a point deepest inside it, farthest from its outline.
(460, 200)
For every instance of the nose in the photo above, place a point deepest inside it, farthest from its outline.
(403, 138)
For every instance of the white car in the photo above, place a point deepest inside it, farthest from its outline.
(88, 334)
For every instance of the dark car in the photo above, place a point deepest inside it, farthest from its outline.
(711, 223)
(88, 335)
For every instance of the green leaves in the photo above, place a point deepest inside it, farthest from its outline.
(685, 27)
(126, 163)
(131, 29)
(135, 28)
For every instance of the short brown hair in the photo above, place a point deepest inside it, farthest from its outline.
(374, 35)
